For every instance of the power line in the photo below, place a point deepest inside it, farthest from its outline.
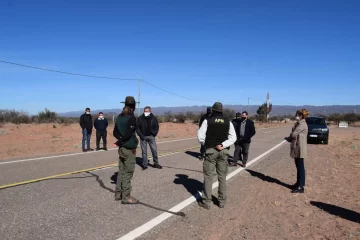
(174, 93)
(102, 77)
(68, 73)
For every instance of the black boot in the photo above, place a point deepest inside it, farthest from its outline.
(156, 165)
(118, 196)
(298, 190)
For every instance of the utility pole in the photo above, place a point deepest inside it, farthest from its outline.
(139, 83)
(248, 103)
(267, 106)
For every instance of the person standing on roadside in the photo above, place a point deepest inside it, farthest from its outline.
(245, 130)
(86, 125)
(202, 118)
(147, 128)
(101, 124)
(218, 134)
(124, 132)
(298, 148)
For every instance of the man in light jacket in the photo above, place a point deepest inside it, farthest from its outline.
(217, 133)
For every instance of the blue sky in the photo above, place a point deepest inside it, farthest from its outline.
(302, 52)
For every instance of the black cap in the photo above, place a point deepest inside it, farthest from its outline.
(129, 100)
(218, 107)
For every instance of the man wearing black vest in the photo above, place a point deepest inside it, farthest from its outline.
(203, 117)
(245, 130)
(218, 134)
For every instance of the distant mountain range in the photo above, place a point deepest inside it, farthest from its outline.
(277, 110)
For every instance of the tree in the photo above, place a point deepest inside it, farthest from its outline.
(229, 113)
(262, 110)
(190, 115)
(168, 116)
(180, 117)
(350, 118)
(336, 117)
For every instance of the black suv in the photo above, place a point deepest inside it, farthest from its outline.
(318, 130)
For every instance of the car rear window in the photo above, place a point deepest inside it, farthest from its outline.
(315, 121)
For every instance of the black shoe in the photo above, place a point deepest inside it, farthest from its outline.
(97, 149)
(105, 148)
(84, 150)
(156, 165)
(298, 190)
(204, 205)
(90, 149)
(144, 168)
(294, 186)
(233, 164)
(118, 196)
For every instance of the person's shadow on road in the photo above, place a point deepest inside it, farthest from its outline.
(193, 186)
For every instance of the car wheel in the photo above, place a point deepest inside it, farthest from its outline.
(326, 142)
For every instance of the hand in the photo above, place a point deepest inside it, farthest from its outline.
(219, 147)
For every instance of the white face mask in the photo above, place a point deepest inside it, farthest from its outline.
(101, 117)
(87, 112)
(146, 114)
(297, 118)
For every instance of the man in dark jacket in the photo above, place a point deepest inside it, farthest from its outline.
(245, 130)
(203, 117)
(124, 132)
(100, 124)
(86, 125)
(147, 128)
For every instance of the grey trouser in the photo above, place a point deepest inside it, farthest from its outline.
(215, 163)
(241, 152)
(153, 148)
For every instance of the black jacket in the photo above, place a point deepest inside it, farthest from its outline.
(86, 122)
(142, 126)
(202, 118)
(101, 124)
(249, 130)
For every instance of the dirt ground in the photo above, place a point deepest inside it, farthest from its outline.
(34, 140)
(260, 205)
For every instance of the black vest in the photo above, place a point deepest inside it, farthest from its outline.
(217, 130)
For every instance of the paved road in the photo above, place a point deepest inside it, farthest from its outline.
(81, 206)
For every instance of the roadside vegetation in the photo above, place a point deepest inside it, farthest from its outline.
(48, 116)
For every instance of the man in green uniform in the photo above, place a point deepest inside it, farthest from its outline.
(218, 134)
(124, 131)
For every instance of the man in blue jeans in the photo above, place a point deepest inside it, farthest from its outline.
(86, 125)
(147, 128)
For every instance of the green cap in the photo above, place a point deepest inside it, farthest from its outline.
(218, 107)
(129, 100)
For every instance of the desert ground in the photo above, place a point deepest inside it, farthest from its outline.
(260, 205)
(35, 140)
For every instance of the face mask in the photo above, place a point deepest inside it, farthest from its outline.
(101, 117)
(147, 114)
(297, 118)
(243, 118)
(87, 112)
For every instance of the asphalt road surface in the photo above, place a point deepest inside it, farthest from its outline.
(82, 206)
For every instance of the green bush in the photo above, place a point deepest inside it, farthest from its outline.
(13, 116)
(180, 118)
(47, 116)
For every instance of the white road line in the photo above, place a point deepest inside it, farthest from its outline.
(162, 217)
(81, 153)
